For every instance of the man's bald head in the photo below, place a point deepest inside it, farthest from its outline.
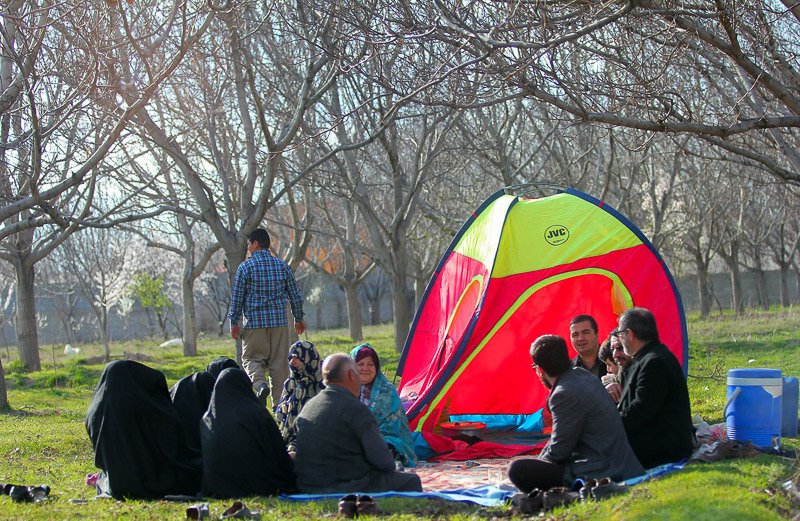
(340, 369)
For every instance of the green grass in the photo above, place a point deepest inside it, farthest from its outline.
(43, 439)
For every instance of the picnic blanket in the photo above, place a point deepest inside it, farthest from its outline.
(481, 482)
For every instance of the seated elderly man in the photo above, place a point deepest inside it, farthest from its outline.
(588, 440)
(339, 445)
(654, 404)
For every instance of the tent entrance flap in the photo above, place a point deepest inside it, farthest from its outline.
(503, 350)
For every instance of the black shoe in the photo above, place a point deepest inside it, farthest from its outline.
(262, 394)
(558, 496)
(365, 506)
(606, 488)
(20, 494)
(39, 493)
(348, 506)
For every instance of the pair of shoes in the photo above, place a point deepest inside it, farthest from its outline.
(262, 393)
(528, 504)
(351, 506)
(237, 509)
(25, 494)
(199, 511)
(558, 496)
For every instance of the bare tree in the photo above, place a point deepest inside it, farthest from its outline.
(723, 72)
(62, 113)
(101, 261)
(785, 240)
(233, 117)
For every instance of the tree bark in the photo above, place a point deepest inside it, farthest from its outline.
(703, 290)
(189, 319)
(354, 312)
(27, 336)
(402, 317)
(732, 260)
(3, 391)
(784, 269)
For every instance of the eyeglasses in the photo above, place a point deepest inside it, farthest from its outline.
(534, 366)
(618, 332)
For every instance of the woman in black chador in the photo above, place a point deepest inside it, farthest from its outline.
(243, 451)
(137, 437)
(191, 396)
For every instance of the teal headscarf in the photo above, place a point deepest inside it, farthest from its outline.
(385, 405)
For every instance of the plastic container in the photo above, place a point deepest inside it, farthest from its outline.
(789, 408)
(753, 411)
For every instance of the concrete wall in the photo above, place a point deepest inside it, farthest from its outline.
(329, 313)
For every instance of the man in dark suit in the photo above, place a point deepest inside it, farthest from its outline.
(655, 400)
(588, 440)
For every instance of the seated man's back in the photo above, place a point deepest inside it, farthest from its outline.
(339, 445)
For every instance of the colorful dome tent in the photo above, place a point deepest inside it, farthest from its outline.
(519, 268)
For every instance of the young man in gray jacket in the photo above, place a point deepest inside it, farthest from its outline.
(588, 440)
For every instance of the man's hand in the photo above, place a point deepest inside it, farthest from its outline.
(235, 331)
(299, 327)
(615, 391)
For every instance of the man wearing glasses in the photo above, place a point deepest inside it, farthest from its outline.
(588, 440)
(655, 399)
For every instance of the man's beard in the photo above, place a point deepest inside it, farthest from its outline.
(545, 382)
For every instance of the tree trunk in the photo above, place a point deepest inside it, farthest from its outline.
(354, 312)
(761, 286)
(375, 312)
(702, 289)
(189, 319)
(402, 318)
(3, 392)
(27, 336)
(103, 316)
(797, 285)
(784, 267)
(234, 258)
(732, 261)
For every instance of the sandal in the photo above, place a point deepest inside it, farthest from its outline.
(348, 506)
(365, 506)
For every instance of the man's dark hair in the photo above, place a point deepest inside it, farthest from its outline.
(336, 366)
(642, 322)
(585, 318)
(260, 236)
(550, 353)
(606, 353)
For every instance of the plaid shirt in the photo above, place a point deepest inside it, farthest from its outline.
(260, 289)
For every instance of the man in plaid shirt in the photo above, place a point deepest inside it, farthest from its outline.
(260, 289)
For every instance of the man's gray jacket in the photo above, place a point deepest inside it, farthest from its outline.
(588, 437)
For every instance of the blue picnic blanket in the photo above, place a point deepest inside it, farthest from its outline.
(486, 495)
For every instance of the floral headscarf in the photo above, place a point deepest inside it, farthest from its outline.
(303, 384)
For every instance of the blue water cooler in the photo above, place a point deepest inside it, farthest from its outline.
(753, 411)
(789, 414)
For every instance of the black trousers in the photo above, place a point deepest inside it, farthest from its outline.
(529, 473)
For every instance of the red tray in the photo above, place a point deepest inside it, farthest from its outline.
(463, 426)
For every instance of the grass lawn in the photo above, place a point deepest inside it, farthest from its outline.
(43, 439)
